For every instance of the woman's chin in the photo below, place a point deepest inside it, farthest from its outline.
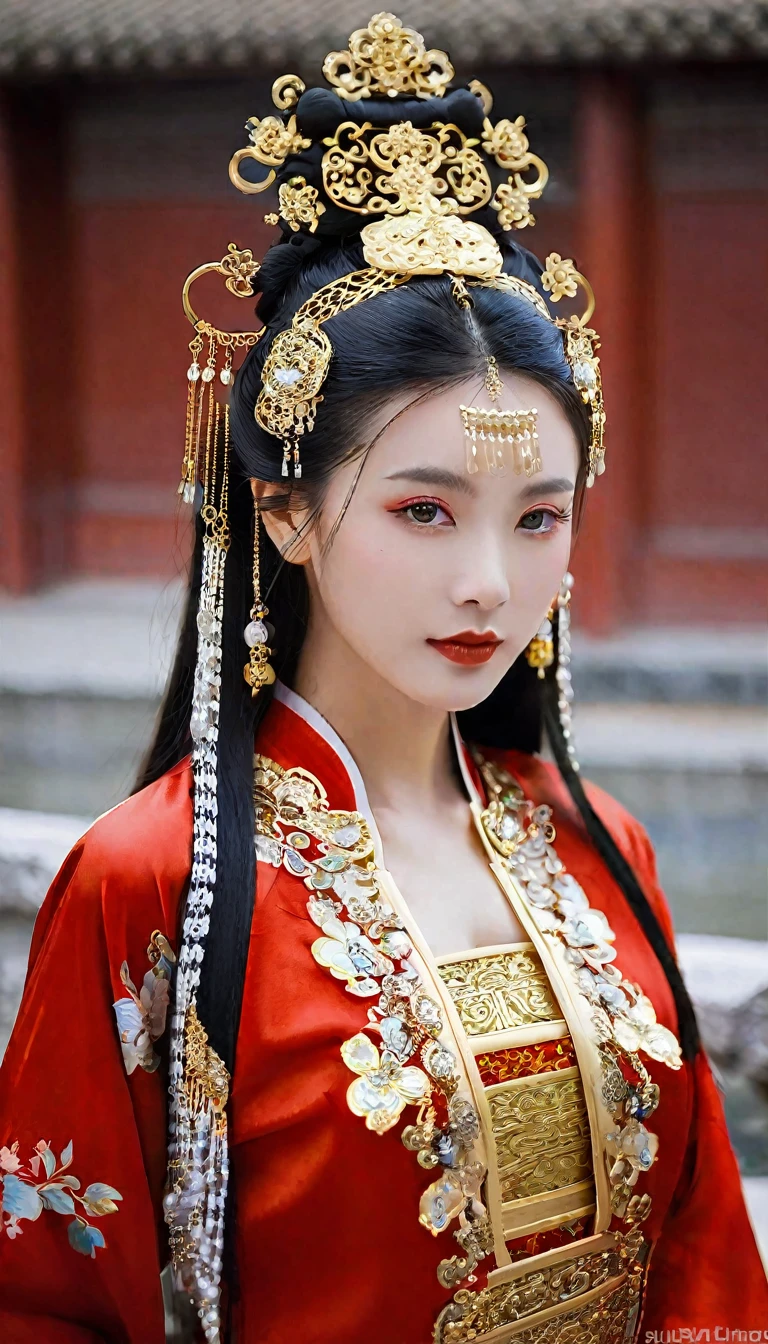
(454, 687)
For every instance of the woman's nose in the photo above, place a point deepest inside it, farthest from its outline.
(483, 580)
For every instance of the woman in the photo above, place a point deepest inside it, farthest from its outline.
(448, 1114)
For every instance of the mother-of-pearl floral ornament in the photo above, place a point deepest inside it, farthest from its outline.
(384, 1087)
(141, 1014)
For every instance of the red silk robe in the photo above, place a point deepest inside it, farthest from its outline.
(329, 1243)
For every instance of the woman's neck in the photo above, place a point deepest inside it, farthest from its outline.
(403, 749)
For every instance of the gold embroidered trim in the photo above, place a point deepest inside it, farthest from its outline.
(542, 1136)
(500, 992)
(363, 943)
(622, 1016)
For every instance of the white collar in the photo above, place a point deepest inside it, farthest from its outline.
(328, 733)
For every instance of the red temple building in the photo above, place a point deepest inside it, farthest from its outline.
(114, 144)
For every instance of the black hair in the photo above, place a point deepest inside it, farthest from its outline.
(415, 338)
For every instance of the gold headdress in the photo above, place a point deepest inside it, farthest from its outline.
(418, 189)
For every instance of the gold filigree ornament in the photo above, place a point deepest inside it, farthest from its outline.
(386, 58)
(508, 144)
(561, 279)
(297, 363)
(431, 177)
(299, 204)
(419, 185)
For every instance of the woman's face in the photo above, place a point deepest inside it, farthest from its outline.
(427, 558)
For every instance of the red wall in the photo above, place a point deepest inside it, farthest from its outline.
(659, 189)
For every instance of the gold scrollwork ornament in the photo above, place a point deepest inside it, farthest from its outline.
(272, 142)
(508, 144)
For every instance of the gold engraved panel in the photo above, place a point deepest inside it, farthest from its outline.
(605, 1321)
(501, 991)
(541, 1130)
(548, 1286)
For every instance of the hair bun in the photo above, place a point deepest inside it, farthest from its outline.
(320, 113)
(282, 262)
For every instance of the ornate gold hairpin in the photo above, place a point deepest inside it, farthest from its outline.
(496, 427)
(239, 268)
(561, 280)
(272, 140)
(296, 366)
(419, 185)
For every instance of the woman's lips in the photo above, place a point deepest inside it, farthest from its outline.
(468, 648)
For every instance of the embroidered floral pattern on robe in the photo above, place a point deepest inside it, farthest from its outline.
(26, 1195)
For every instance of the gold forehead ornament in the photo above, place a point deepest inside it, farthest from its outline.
(497, 427)
(419, 186)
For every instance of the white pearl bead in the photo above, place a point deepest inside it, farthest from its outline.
(255, 633)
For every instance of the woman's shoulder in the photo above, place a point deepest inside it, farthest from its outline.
(130, 867)
(150, 828)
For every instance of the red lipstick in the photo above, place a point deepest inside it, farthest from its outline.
(468, 648)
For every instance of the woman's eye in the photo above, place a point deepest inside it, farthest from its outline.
(426, 511)
(542, 520)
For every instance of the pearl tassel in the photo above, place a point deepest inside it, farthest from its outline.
(196, 1189)
(562, 672)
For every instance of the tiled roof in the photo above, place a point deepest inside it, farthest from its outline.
(40, 35)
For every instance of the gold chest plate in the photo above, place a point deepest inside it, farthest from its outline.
(511, 1058)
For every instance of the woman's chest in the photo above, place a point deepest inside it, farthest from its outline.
(467, 1095)
(452, 895)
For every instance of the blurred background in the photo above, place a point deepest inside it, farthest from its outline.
(117, 122)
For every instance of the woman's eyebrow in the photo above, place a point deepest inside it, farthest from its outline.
(554, 485)
(439, 477)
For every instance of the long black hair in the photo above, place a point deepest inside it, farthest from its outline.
(413, 338)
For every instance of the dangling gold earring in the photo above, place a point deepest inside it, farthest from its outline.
(258, 671)
(540, 652)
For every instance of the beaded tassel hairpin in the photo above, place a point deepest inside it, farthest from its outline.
(198, 1164)
(198, 1081)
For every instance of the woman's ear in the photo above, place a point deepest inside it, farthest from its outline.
(287, 528)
